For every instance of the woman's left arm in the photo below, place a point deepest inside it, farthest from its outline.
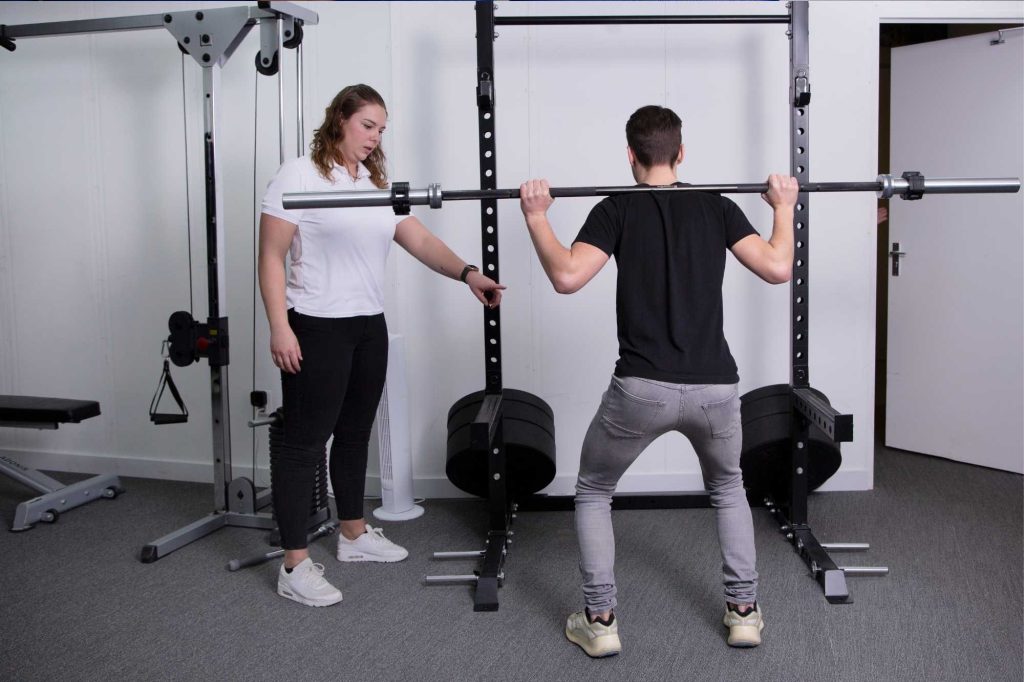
(414, 237)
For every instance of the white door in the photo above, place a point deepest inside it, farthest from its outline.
(955, 382)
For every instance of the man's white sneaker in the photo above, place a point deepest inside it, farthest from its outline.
(744, 630)
(597, 639)
(306, 585)
(370, 546)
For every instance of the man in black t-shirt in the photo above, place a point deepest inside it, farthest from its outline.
(674, 371)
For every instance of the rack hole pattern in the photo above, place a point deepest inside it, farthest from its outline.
(489, 248)
(799, 128)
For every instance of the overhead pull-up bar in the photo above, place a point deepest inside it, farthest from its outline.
(911, 185)
(643, 19)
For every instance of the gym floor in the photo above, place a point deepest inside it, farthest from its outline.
(79, 606)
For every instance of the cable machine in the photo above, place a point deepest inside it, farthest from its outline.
(210, 37)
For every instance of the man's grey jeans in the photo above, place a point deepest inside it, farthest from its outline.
(632, 414)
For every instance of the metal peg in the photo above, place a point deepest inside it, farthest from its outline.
(865, 570)
(446, 579)
(472, 554)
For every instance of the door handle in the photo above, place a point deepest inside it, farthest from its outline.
(895, 254)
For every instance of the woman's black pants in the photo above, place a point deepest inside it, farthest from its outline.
(336, 392)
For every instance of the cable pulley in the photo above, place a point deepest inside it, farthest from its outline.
(911, 185)
(191, 340)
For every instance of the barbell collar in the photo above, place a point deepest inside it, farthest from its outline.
(400, 198)
(434, 197)
(885, 186)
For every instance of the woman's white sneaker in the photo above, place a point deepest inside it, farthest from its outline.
(370, 546)
(306, 584)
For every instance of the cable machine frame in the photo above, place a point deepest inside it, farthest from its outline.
(210, 37)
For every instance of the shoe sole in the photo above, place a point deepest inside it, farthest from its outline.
(588, 646)
(353, 558)
(306, 602)
(747, 637)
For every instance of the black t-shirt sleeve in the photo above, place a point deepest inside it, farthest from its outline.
(737, 226)
(602, 227)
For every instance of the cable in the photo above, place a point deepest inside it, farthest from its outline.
(188, 200)
(255, 255)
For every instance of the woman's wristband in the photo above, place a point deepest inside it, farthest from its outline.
(466, 270)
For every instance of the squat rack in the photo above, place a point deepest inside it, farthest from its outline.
(210, 37)
(807, 408)
(805, 411)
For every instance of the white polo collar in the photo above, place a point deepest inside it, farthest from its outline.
(361, 170)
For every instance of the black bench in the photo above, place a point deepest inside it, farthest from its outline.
(49, 413)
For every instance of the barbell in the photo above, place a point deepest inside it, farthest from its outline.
(909, 185)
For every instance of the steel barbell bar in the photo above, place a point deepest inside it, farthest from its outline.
(909, 185)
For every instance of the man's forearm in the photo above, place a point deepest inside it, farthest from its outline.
(554, 258)
(782, 236)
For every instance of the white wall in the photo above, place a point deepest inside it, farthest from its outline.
(93, 250)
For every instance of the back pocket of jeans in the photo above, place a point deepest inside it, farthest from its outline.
(723, 416)
(627, 414)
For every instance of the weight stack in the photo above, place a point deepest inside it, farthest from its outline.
(319, 499)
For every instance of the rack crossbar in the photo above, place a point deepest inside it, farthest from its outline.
(146, 21)
(81, 26)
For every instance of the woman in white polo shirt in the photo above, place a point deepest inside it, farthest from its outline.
(327, 329)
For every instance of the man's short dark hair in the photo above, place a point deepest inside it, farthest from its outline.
(654, 134)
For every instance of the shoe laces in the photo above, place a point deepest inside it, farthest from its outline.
(377, 535)
(315, 575)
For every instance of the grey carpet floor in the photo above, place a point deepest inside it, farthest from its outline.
(78, 605)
